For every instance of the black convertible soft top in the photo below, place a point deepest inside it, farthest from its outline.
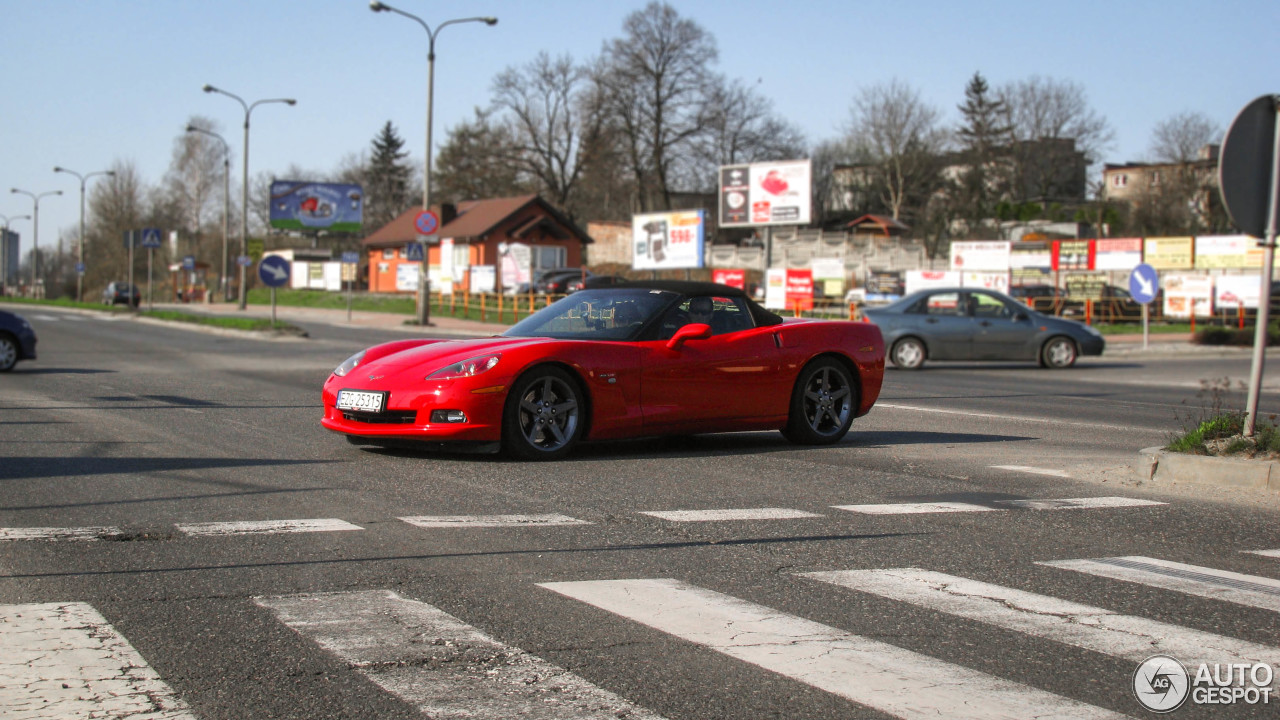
(692, 288)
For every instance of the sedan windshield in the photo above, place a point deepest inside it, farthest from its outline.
(605, 314)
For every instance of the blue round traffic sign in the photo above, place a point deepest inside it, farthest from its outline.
(1144, 283)
(274, 271)
(427, 222)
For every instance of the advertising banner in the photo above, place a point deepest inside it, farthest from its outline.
(297, 205)
(977, 256)
(928, 279)
(407, 277)
(517, 259)
(1232, 291)
(1031, 255)
(1117, 253)
(998, 281)
(828, 275)
(1224, 251)
(732, 278)
(1073, 255)
(788, 289)
(483, 278)
(665, 241)
(769, 193)
(1086, 285)
(883, 285)
(1184, 294)
(1171, 253)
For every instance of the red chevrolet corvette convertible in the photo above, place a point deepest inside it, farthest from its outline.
(630, 360)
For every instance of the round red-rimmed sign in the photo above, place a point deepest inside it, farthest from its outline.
(427, 222)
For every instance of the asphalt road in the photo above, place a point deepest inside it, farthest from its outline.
(823, 597)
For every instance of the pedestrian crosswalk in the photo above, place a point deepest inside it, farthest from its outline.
(448, 668)
(306, 525)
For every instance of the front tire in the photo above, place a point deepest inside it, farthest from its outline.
(823, 404)
(908, 354)
(8, 353)
(543, 417)
(1058, 353)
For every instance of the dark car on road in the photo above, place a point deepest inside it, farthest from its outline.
(561, 281)
(118, 293)
(974, 324)
(17, 340)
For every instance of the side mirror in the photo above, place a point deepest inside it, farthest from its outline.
(1021, 317)
(692, 331)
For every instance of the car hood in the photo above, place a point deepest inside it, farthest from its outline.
(436, 355)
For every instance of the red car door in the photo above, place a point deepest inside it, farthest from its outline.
(720, 379)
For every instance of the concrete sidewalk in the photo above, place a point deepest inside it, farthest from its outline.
(441, 324)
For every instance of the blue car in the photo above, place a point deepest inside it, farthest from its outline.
(17, 340)
(976, 324)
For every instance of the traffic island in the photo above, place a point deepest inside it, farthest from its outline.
(1163, 466)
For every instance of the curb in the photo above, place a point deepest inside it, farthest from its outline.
(1159, 465)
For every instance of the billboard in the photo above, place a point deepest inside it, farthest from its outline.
(768, 193)
(664, 241)
(297, 205)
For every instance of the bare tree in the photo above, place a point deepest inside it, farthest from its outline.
(900, 136)
(194, 184)
(1180, 138)
(1053, 128)
(654, 83)
(741, 127)
(829, 198)
(474, 163)
(117, 204)
(552, 120)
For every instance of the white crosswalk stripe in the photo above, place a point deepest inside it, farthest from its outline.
(443, 666)
(729, 514)
(64, 660)
(1089, 503)
(1238, 588)
(492, 521)
(52, 533)
(1265, 553)
(1123, 636)
(882, 676)
(266, 527)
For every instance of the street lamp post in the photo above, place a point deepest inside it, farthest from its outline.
(424, 290)
(80, 244)
(226, 202)
(4, 255)
(35, 232)
(244, 191)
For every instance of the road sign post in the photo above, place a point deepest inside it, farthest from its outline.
(1143, 284)
(427, 223)
(1249, 178)
(352, 258)
(273, 270)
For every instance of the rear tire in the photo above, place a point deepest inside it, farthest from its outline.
(823, 403)
(908, 354)
(544, 415)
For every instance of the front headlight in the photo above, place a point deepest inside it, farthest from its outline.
(466, 368)
(349, 364)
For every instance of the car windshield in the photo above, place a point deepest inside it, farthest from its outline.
(605, 314)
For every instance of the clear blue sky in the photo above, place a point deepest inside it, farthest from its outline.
(90, 82)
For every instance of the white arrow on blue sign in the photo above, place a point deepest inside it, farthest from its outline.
(274, 271)
(1144, 282)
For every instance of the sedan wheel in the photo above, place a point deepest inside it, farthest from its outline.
(908, 354)
(1058, 353)
(8, 353)
(543, 418)
(822, 404)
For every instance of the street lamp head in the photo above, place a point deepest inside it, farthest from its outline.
(59, 169)
(291, 101)
(209, 88)
(192, 128)
(376, 6)
(490, 20)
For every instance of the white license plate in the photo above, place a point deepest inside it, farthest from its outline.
(362, 400)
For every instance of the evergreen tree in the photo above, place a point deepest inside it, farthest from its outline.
(984, 138)
(386, 180)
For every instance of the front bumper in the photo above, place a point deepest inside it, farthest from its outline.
(408, 412)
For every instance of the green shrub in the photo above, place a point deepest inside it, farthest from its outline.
(1218, 335)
